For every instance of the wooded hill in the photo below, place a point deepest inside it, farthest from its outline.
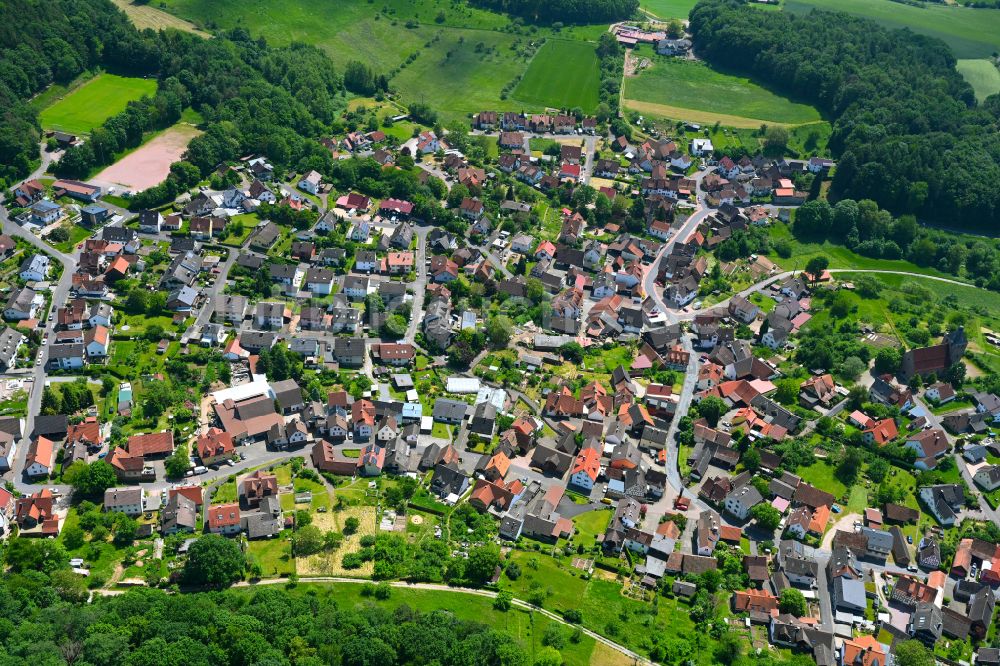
(907, 130)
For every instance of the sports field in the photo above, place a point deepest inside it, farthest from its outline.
(982, 75)
(687, 90)
(971, 33)
(94, 102)
(562, 74)
(149, 164)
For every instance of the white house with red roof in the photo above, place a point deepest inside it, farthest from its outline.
(586, 469)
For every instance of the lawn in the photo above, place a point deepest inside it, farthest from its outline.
(274, 555)
(591, 524)
(320, 498)
(227, 492)
(77, 234)
(609, 359)
(562, 74)
(101, 557)
(821, 475)
(561, 586)
(668, 9)
(690, 90)
(249, 222)
(94, 102)
(982, 75)
(971, 33)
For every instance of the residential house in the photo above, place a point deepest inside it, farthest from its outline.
(943, 501)
(224, 519)
(124, 500)
(40, 459)
(35, 268)
(741, 500)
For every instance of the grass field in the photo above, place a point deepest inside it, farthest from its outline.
(969, 297)
(971, 33)
(274, 556)
(562, 74)
(687, 90)
(667, 9)
(982, 75)
(457, 76)
(94, 102)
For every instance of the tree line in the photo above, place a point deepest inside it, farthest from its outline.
(906, 126)
(563, 11)
(873, 232)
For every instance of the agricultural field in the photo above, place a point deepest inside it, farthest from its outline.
(692, 91)
(668, 9)
(562, 74)
(95, 101)
(460, 58)
(147, 16)
(982, 75)
(971, 33)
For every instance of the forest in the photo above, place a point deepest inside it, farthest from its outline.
(563, 11)
(906, 127)
(269, 626)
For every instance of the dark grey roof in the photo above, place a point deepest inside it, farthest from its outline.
(449, 410)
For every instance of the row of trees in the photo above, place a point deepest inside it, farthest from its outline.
(906, 126)
(564, 11)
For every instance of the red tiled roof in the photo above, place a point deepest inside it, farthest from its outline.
(151, 443)
(223, 515)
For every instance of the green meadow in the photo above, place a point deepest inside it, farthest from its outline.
(982, 75)
(971, 33)
(668, 9)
